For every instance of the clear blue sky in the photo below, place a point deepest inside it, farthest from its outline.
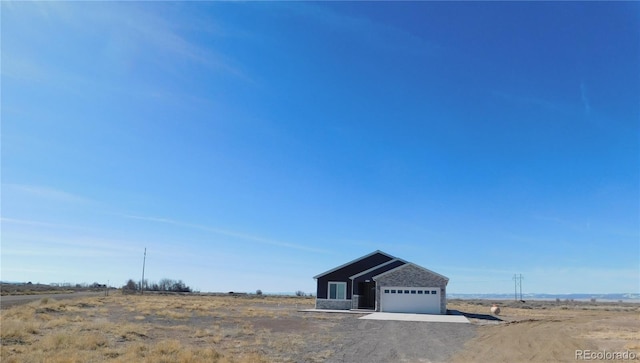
(254, 145)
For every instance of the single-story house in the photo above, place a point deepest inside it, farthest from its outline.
(381, 282)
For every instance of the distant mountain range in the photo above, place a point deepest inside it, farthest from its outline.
(627, 297)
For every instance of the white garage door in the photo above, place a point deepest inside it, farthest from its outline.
(398, 299)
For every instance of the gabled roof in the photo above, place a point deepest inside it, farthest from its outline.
(377, 267)
(411, 264)
(354, 261)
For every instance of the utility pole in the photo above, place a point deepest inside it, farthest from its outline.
(144, 260)
(520, 287)
(517, 280)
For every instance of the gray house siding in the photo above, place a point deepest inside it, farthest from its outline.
(344, 274)
(367, 276)
(412, 276)
(333, 304)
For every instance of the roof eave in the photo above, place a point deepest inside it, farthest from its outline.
(354, 261)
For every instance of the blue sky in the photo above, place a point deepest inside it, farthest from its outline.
(254, 145)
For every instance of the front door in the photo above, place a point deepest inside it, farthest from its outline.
(367, 292)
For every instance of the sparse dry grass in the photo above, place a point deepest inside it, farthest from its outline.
(175, 328)
(548, 331)
(153, 328)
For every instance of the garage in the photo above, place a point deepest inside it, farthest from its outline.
(402, 299)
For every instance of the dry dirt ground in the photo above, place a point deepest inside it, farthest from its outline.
(158, 328)
(550, 331)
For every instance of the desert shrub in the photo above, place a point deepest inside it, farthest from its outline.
(17, 331)
(130, 286)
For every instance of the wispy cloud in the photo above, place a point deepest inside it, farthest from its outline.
(5, 220)
(229, 233)
(23, 68)
(372, 33)
(44, 192)
(129, 37)
(156, 33)
(20, 241)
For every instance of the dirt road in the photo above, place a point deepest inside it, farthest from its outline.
(12, 300)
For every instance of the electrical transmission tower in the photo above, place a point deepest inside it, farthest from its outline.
(517, 280)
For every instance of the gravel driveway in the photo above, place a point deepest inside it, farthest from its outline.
(398, 341)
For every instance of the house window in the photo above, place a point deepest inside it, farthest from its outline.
(386, 291)
(393, 291)
(419, 292)
(426, 292)
(337, 290)
(413, 291)
(433, 292)
(406, 291)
